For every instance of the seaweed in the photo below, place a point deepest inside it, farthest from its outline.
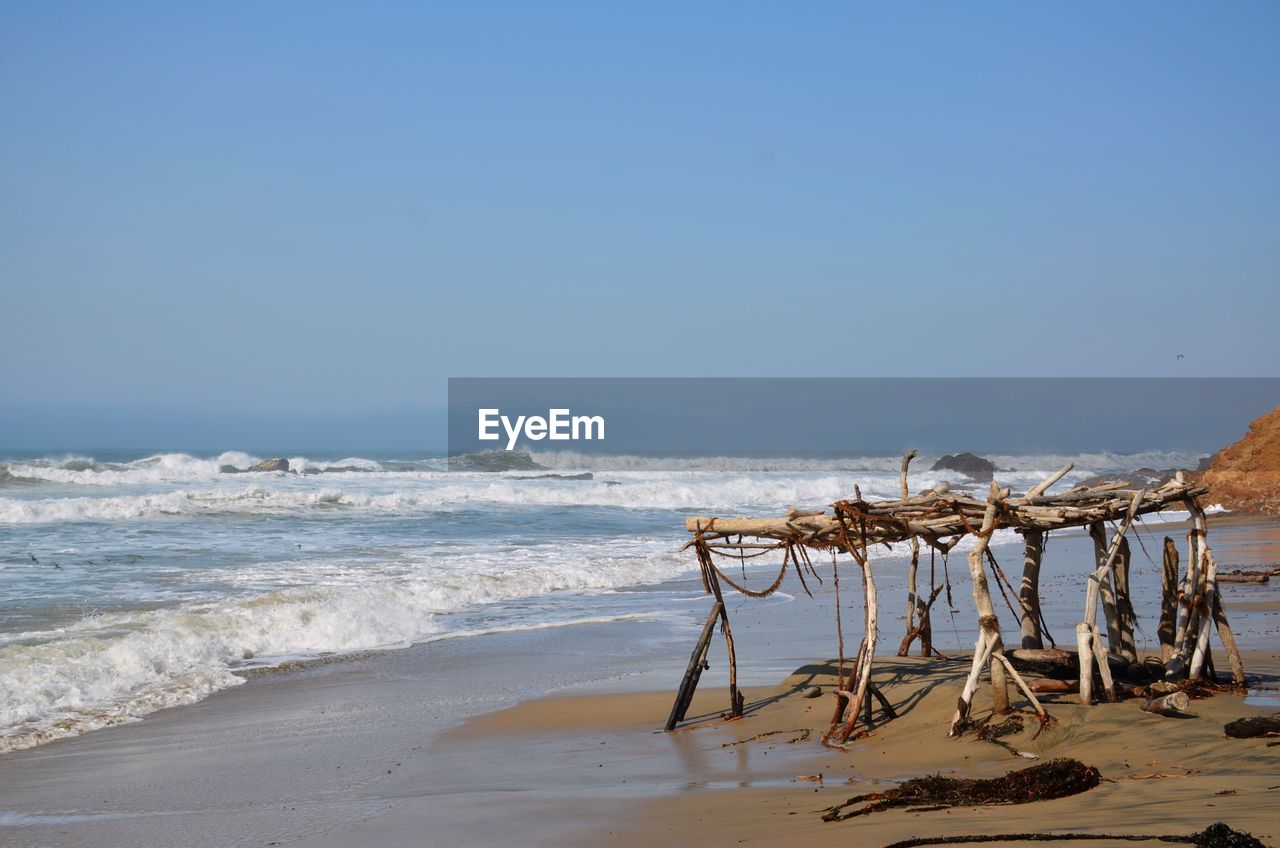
(1214, 836)
(1054, 779)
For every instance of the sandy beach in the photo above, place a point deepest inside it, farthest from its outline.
(534, 737)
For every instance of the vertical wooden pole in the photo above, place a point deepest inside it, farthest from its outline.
(735, 697)
(1125, 618)
(697, 662)
(1190, 597)
(867, 656)
(1201, 654)
(1106, 586)
(988, 647)
(1169, 601)
(1029, 593)
(1228, 641)
(913, 596)
(1088, 643)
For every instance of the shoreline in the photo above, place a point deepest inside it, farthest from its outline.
(460, 739)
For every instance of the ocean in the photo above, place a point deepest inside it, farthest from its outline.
(135, 581)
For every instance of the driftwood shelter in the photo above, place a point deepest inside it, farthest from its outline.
(939, 519)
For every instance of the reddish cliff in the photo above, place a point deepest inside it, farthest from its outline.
(1245, 476)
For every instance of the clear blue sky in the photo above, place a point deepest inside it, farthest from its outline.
(274, 213)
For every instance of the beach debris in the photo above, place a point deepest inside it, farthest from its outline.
(809, 778)
(992, 733)
(1241, 576)
(697, 664)
(811, 692)
(1160, 775)
(1253, 726)
(1104, 662)
(923, 629)
(1173, 704)
(1049, 686)
(1054, 779)
(1214, 836)
(801, 734)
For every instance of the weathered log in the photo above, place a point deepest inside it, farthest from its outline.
(1053, 656)
(1049, 686)
(934, 515)
(1043, 486)
(1173, 704)
(1253, 726)
(1244, 577)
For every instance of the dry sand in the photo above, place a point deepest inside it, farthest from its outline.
(591, 770)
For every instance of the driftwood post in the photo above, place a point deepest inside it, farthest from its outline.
(866, 655)
(1029, 593)
(913, 598)
(1190, 595)
(1088, 643)
(1210, 598)
(1169, 601)
(1106, 586)
(1228, 641)
(1126, 618)
(988, 647)
(697, 662)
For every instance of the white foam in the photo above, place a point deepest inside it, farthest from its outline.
(108, 669)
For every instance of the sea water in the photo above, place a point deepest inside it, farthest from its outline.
(133, 581)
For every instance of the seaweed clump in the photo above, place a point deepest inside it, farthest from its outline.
(1054, 779)
(1214, 836)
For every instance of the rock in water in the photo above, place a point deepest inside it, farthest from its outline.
(271, 465)
(982, 470)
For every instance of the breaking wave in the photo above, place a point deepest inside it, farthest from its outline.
(110, 669)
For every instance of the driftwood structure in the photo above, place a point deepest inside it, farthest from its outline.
(939, 519)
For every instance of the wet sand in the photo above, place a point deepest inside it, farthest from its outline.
(406, 748)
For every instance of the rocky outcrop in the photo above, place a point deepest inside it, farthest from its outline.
(586, 475)
(271, 465)
(1245, 476)
(975, 467)
(1141, 478)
